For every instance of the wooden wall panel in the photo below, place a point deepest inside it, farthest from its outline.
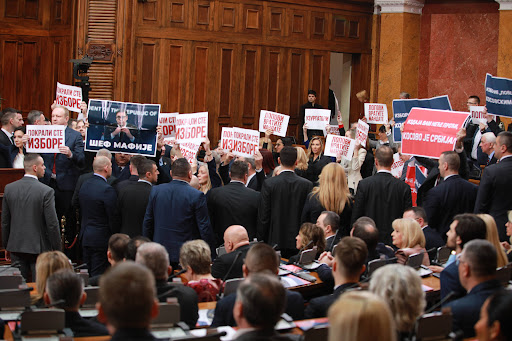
(250, 78)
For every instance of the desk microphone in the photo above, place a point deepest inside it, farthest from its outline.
(440, 303)
(81, 266)
(169, 279)
(221, 291)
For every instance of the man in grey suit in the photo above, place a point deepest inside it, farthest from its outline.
(29, 220)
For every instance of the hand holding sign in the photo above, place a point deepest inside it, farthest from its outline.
(278, 123)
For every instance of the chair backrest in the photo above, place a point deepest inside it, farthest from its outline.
(43, 321)
(319, 333)
(231, 285)
(10, 281)
(375, 264)
(214, 336)
(433, 326)
(14, 298)
(84, 275)
(503, 275)
(92, 297)
(168, 315)
(415, 260)
(221, 250)
(443, 253)
(308, 256)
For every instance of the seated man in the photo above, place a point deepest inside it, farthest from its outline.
(330, 222)
(236, 242)
(155, 257)
(477, 274)
(261, 257)
(128, 319)
(117, 244)
(261, 300)
(349, 258)
(67, 286)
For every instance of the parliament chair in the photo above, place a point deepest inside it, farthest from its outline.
(443, 253)
(433, 326)
(11, 281)
(214, 336)
(15, 299)
(43, 321)
(92, 297)
(317, 333)
(503, 274)
(231, 285)
(168, 315)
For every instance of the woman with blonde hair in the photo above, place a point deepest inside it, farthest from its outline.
(332, 194)
(302, 163)
(408, 237)
(48, 263)
(310, 235)
(492, 236)
(315, 154)
(400, 287)
(207, 172)
(360, 315)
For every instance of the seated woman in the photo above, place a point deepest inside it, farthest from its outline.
(310, 235)
(360, 315)
(409, 239)
(495, 318)
(400, 287)
(48, 263)
(492, 237)
(195, 258)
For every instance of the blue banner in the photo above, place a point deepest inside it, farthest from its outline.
(402, 107)
(498, 95)
(122, 127)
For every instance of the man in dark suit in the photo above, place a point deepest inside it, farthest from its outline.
(123, 131)
(477, 273)
(347, 268)
(133, 166)
(186, 206)
(132, 199)
(10, 120)
(487, 144)
(453, 196)
(382, 197)
(236, 243)
(310, 104)
(261, 258)
(255, 170)
(155, 257)
(121, 166)
(330, 222)
(68, 287)
(29, 222)
(234, 204)
(98, 202)
(281, 204)
(495, 187)
(432, 237)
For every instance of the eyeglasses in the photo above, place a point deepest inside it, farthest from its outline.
(458, 259)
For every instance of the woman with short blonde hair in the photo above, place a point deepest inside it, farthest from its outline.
(408, 237)
(360, 315)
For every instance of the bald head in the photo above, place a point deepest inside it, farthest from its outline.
(234, 237)
(102, 165)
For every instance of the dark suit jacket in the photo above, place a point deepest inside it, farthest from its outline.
(432, 238)
(132, 201)
(4, 159)
(177, 213)
(255, 183)
(319, 306)
(450, 282)
(83, 178)
(384, 199)
(224, 309)
(187, 298)
(233, 204)
(130, 181)
(98, 204)
(281, 204)
(494, 194)
(67, 170)
(133, 334)
(120, 174)
(266, 335)
(466, 310)
(313, 209)
(453, 196)
(315, 167)
(222, 264)
(82, 327)
(8, 153)
(29, 220)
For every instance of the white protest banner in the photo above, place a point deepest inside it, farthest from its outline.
(242, 142)
(477, 114)
(168, 123)
(69, 96)
(45, 139)
(274, 121)
(397, 166)
(317, 118)
(339, 144)
(333, 130)
(189, 149)
(362, 132)
(376, 113)
(191, 127)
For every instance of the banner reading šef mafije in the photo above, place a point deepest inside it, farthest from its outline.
(498, 95)
(402, 107)
(122, 127)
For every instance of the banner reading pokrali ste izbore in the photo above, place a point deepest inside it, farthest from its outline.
(122, 127)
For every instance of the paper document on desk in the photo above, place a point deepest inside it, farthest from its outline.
(290, 281)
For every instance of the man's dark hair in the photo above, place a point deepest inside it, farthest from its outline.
(384, 156)
(469, 227)
(33, 116)
(311, 92)
(382, 129)
(287, 141)
(7, 115)
(351, 253)
(30, 160)
(136, 160)
(452, 159)
(70, 122)
(365, 229)
(145, 166)
(418, 212)
(133, 244)
(65, 285)
(333, 219)
(475, 97)
(117, 244)
(180, 168)
(263, 300)
(261, 257)
(481, 257)
(239, 169)
(506, 139)
(288, 156)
